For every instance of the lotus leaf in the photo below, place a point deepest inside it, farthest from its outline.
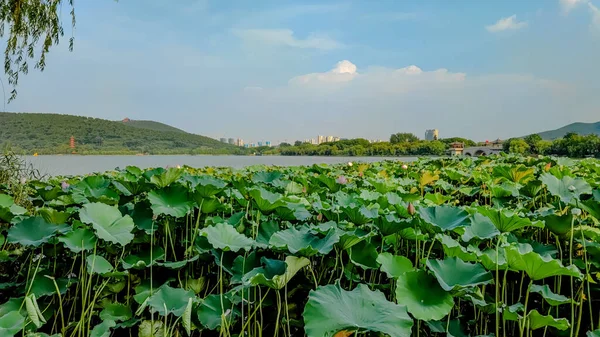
(303, 241)
(96, 187)
(34, 231)
(167, 300)
(151, 329)
(394, 266)
(453, 273)
(172, 200)
(507, 221)
(225, 237)
(595, 333)
(481, 228)
(550, 297)
(207, 186)
(567, 188)
(79, 239)
(214, 309)
(144, 259)
(331, 309)
(53, 216)
(423, 296)
(364, 254)
(166, 177)
(453, 248)
(537, 320)
(116, 312)
(266, 201)
(11, 323)
(109, 223)
(267, 277)
(522, 257)
(97, 264)
(103, 329)
(445, 218)
(293, 211)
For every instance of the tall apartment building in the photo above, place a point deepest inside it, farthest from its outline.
(231, 141)
(432, 134)
(223, 140)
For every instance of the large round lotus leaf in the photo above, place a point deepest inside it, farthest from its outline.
(521, 257)
(167, 300)
(44, 286)
(453, 273)
(53, 216)
(143, 217)
(550, 297)
(292, 266)
(453, 248)
(116, 312)
(206, 186)
(166, 177)
(143, 259)
(514, 173)
(11, 323)
(97, 264)
(266, 177)
(266, 201)
(364, 255)
(242, 265)
(567, 188)
(172, 200)
(95, 187)
(304, 241)
(79, 239)
(109, 223)
(293, 211)
(34, 231)
(537, 320)
(103, 329)
(212, 311)
(423, 296)
(445, 218)
(507, 221)
(481, 228)
(559, 224)
(349, 239)
(394, 265)
(225, 237)
(331, 309)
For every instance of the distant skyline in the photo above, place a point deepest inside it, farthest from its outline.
(287, 70)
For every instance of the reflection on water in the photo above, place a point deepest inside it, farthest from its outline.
(74, 165)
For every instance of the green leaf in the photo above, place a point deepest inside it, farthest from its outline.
(79, 239)
(151, 329)
(550, 297)
(266, 201)
(116, 312)
(167, 300)
(595, 333)
(293, 188)
(11, 323)
(507, 221)
(331, 309)
(537, 320)
(567, 188)
(144, 259)
(96, 264)
(225, 237)
(521, 257)
(453, 273)
(481, 228)
(423, 296)
(186, 318)
(172, 200)
(394, 266)
(207, 186)
(109, 223)
(103, 329)
(167, 177)
(304, 241)
(53, 216)
(364, 254)
(453, 248)
(445, 218)
(278, 281)
(211, 313)
(34, 231)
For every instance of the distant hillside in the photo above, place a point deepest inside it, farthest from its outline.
(150, 125)
(579, 128)
(50, 134)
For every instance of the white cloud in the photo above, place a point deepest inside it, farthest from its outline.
(595, 25)
(344, 71)
(509, 23)
(285, 37)
(568, 5)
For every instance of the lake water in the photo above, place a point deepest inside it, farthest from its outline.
(76, 165)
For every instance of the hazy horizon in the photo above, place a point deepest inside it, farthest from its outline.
(288, 70)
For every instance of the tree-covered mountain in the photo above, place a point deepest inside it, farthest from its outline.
(578, 128)
(51, 133)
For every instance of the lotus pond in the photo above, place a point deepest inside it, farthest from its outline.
(504, 246)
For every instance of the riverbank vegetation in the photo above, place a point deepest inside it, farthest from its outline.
(504, 246)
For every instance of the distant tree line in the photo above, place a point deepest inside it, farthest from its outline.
(571, 145)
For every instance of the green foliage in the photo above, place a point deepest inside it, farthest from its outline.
(504, 245)
(403, 138)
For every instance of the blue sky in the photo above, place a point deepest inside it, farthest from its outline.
(286, 70)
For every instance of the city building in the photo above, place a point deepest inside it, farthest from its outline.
(456, 149)
(320, 139)
(268, 143)
(240, 142)
(231, 141)
(260, 143)
(336, 139)
(432, 134)
(223, 140)
(329, 139)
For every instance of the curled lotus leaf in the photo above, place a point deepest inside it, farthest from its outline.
(34, 231)
(331, 310)
(453, 273)
(225, 237)
(108, 222)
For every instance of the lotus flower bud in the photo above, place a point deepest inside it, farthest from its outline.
(411, 209)
(547, 168)
(350, 163)
(342, 180)
(576, 211)
(405, 167)
(178, 166)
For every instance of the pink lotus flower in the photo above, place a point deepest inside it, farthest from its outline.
(342, 180)
(64, 185)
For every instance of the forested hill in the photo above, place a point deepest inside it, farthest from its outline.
(578, 128)
(50, 133)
